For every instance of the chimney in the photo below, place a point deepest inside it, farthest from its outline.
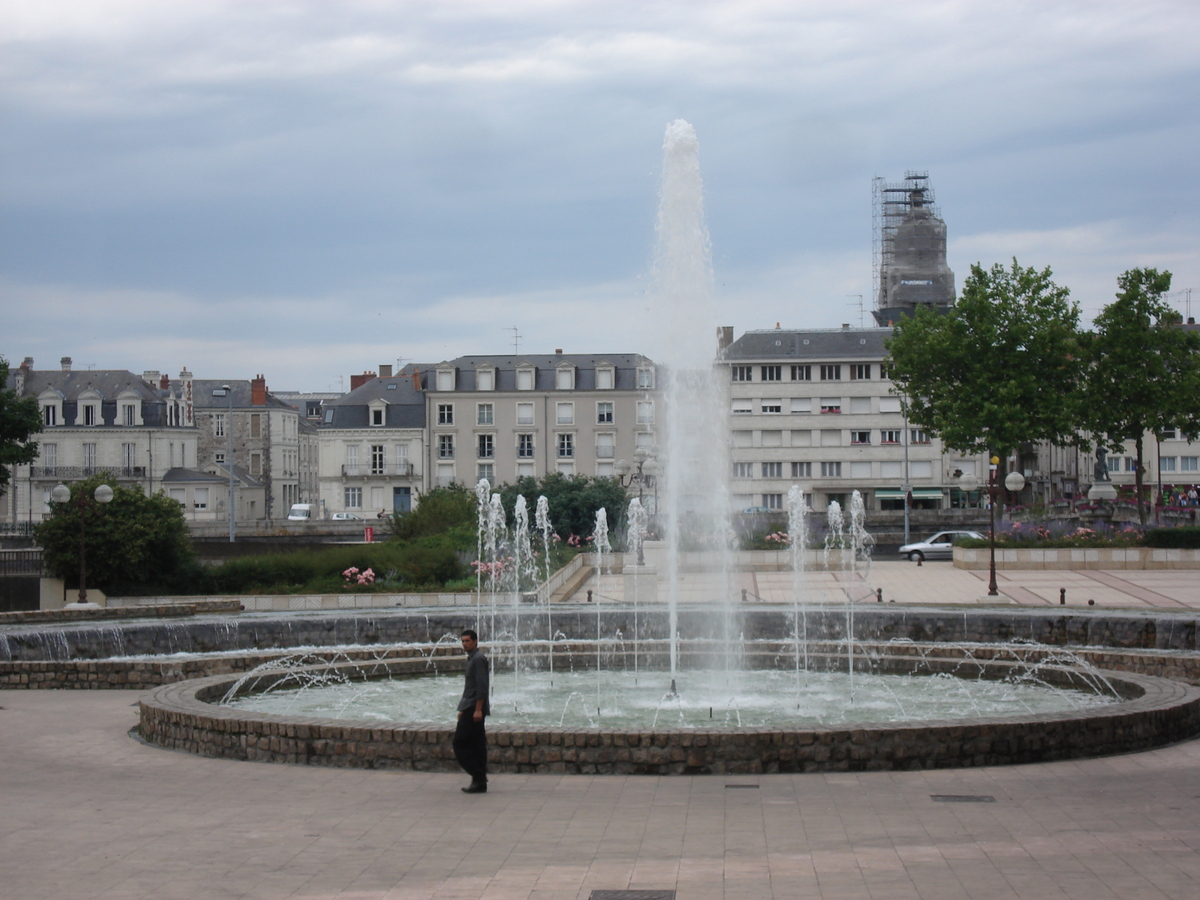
(846, 325)
(558, 351)
(385, 371)
(416, 377)
(724, 337)
(66, 363)
(150, 376)
(357, 381)
(258, 391)
(189, 408)
(28, 363)
(165, 382)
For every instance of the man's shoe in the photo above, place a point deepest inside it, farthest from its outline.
(475, 787)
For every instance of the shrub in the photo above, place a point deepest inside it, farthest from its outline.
(1183, 538)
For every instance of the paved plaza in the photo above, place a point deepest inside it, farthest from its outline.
(90, 812)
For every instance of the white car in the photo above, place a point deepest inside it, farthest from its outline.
(940, 546)
(345, 517)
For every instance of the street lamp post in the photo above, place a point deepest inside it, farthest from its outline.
(102, 495)
(226, 391)
(642, 473)
(1014, 482)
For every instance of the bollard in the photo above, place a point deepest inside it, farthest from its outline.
(589, 595)
(1091, 603)
(919, 560)
(878, 595)
(743, 595)
(1062, 596)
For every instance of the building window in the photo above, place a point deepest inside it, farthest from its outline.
(885, 371)
(831, 470)
(485, 380)
(486, 445)
(485, 470)
(831, 405)
(801, 405)
(801, 373)
(352, 459)
(772, 470)
(917, 436)
(564, 379)
(743, 373)
(772, 501)
(860, 405)
(1188, 463)
(860, 372)
(743, 470)
(484, 414)
(353, 497)
(378, 458)
(219, 458)
(889, 437)
(644, 440)
(860, 437)
(605, 446)
(526, 470)
(565, 413)
(89, 456)
(445, 446)
(889, 404)
(566, 469)
(524, 379)
(525, 446)
(1166, 464)
(200, 498)
(255, 425)
(50, 456)
(128, 414)
(831, 373)
(604, 413)
(771, 373)
(445, 379)
(402, 458)
(89, 414)
(772, 408)
(802, 470)
(566, 445)
(524, 413)
(129, 455)
(645, 412)
(445, 414)
(742, 407)
(1168, 434)
(255, 464)
(1113, 463)
(645, 379)
(1130, 464)
(219, 425)
(377, 417)
(604, 379)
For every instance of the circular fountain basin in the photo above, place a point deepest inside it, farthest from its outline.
(1147, 712)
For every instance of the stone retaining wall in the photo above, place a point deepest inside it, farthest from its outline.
(180, 717)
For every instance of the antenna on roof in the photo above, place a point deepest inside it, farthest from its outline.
(861, 312)
(516, 339)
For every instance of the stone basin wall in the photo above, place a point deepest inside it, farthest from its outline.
(1156, 712)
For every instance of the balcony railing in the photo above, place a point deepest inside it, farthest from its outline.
(65, 472)
(394, 470)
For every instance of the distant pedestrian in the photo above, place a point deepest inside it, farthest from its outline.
(470, 737)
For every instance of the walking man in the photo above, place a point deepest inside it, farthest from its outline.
(470, 738)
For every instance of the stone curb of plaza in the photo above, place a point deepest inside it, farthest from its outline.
(1115, 558)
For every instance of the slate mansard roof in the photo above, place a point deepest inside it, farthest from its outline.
(585, 364)
(405, 405)
(109, 384)
(830, 344)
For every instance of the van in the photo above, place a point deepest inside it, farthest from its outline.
(304, 512)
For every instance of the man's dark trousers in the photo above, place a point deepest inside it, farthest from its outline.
(470, 746)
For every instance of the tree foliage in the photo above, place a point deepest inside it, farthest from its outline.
(440, 510)
(134, 543)
(1143, 370)
(19, 421)
(1000, 368)
(572, 501)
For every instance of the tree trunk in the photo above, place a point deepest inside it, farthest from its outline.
(1137, 480)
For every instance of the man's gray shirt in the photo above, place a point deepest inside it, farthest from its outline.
(476, 687)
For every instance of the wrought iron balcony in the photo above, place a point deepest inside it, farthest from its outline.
(396, 470)
(64, 473)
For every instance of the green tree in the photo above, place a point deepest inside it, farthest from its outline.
(134, 544)
(1143, 371)
(572, 501)
(440, 510)
(19, 420)
(1000, 368)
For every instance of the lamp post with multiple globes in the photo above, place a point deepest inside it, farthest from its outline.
(1014, 482)
(102, 496)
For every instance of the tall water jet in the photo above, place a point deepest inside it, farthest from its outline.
(541, 518)
(695, 494)
(797, 510)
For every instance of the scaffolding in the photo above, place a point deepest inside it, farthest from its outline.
(890, 203)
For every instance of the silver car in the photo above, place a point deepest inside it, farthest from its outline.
(940, 546)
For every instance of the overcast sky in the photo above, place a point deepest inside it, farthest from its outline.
(310, 189)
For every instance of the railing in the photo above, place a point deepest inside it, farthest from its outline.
(17, 529)
(395, 470)
(21, 562)
(87, 471)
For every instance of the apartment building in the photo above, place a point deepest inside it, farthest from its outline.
(816, 408)
(508, 417)
(100, 421)
(372, 446)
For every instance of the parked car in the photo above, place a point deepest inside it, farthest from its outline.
(940, 546)
(345, 517)
(758, 510)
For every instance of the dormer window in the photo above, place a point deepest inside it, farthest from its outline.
(51, 408)
(485, 378)
(564, 378)
(445, 378)
(129, 409)
(605, 378)
(525, 378)
(377, 413)
(645, 378)
(89, 409)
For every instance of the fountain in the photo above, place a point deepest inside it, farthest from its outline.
(714, 686)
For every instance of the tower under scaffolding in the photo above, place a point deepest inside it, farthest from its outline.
(908, 248)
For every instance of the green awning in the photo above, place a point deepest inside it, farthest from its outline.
(918, 494)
